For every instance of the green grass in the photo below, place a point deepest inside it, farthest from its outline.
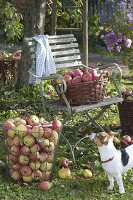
(86, 153)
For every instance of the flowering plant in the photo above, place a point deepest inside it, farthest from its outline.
(116, 33)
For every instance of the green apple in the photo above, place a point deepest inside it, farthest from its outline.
(64, 173)
(87, 173)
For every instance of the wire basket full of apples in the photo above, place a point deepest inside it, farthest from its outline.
(84, 86)
(30, 147)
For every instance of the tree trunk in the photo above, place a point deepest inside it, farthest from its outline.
(34, 20)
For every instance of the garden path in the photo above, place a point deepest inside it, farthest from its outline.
(94, 59)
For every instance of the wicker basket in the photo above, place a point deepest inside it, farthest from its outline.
(126, 117)
(86, 92)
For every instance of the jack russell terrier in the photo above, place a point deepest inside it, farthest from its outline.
(115, 162)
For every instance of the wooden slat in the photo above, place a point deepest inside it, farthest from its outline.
(68, 29)
(62, 40)
(67, 65)
(60, 36)
(67, 58)
(65, 46)
(67, 52)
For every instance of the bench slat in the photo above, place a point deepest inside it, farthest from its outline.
(64, 46)
(67, 58)
(67, 65)
(68, 52)
(62, 40)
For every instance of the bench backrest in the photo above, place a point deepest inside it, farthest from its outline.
(64, 49)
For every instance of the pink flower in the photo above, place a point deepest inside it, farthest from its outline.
(128, 43)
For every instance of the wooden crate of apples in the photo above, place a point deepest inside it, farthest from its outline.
(31, 145)
(86, 85)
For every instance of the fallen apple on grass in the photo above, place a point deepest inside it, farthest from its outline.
(45, 185)
(64, 162)
(64, 173)
(87, 173)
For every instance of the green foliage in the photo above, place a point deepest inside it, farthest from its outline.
(10, 22)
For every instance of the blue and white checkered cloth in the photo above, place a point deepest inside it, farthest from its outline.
(45, 65)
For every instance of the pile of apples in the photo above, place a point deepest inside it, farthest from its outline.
(127, 94)
(126, 140)
(85, 75)
(31, 144)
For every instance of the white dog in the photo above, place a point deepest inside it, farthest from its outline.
(115, 162)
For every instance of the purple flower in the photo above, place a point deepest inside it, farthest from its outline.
(110, 40)
(128, 43)
(118, 48)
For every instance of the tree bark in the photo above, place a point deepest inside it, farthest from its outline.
(34, 21)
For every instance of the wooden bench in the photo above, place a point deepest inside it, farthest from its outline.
(66, 54)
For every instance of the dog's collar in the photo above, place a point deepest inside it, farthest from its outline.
(105, 161)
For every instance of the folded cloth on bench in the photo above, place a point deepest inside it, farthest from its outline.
(45, 65)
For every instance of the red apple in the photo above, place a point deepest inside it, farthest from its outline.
(87, 77)
(24, 150)
(56, 124)
(13, 158)
(15, 150)
(20, 121)
(68, 79)
(16, 167)
(70, 73)
(77, 72)
(64, 162)
(126, 138)
(47, 132)
(33, 157)
(10, 141)
(77, 80)
(9, 124)
(44, 185)
(42, 156)
(25, 170)
(34, 149)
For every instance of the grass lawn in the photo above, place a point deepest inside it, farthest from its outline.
(87, 156)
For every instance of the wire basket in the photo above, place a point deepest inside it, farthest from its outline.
(86, 92)
(126, 117)
(30, 151)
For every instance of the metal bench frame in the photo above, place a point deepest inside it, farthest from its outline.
(66, 54)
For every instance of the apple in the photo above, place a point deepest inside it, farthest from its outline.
(68, 79)
(29, 140)
(64, 162)
(29, 129)
(50, 158)
(83, 129)
(87, 173)
(47, 132)
(42, 156)
(15, 150)
(27, 179)
(11, 133)
(21, 130)
(42, 120)
(124, 144)
(33, 157)
(37, 174)
(44, 185)
(70, 73)
(54, 137)
(87, 77)
(37, 131)
(32, 119)
(23, 159)
(13, 158)
(24, 150)
(16, 141)
(50, 148)
(56, 124)
(44, 143)
(25, 170)
(20, 121)
(116, 140)
(15, 175)
(34, 165)
(77, 72)
(34, 149)
(46, 166)
(9, 124)
(126, 138)
(64, 173)
(10, 141)
(16, 167)
(76, 80)
(46, 175)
